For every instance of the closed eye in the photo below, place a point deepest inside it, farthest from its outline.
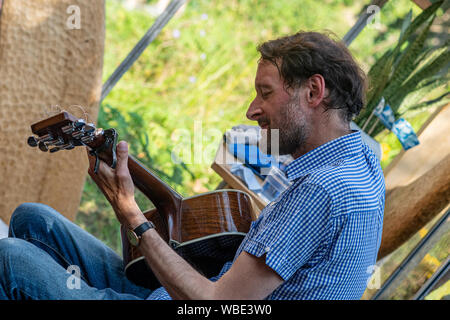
(265, 94)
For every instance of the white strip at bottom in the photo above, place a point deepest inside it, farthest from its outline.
(3, 230)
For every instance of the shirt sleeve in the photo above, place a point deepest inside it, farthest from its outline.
(292, 230)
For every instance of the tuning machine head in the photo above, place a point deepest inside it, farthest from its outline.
(62, 131)
(37, 142)
(78, 124)
(32, 141)
(42, 146)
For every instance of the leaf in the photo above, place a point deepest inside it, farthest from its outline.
(377, 85)
(417, 95)
(406, 23)
(420, 107)
(417, 22)
(426, 72)
(400, 70)
(429, 56)
(407, 61)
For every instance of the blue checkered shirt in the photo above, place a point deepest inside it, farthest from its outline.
(323, 233)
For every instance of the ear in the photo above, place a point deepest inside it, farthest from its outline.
(315, 90)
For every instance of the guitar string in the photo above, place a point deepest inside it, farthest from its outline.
(49, 111)
(86, 115)
(54, 109)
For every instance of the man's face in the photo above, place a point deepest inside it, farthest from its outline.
(277, 109)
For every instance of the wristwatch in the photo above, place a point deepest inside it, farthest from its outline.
(134, 236)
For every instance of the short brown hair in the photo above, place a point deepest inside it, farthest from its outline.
(307, 53)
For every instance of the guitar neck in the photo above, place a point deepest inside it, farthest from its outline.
(159, 192)
(163, 197)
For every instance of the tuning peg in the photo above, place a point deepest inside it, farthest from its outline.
(88, 128)
(32, 141)
(79, 123)
(77, 134)
(67, 129)
(42, 146)
(69, 147)
(87, 139)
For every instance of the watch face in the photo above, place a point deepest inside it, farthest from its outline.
(132, 238)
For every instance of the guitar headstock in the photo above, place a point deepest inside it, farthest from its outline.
(64, 131)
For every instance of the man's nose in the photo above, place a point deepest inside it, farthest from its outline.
(254, 111)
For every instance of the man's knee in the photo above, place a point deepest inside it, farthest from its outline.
(19, 260)
(9, 248)
(12, 249)
(31, 216)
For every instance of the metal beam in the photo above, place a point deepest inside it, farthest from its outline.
(440, 228)
(442, 273)
(361, 22)
(151, 34)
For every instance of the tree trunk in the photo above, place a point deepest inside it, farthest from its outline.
(409, 208)
(51, 54)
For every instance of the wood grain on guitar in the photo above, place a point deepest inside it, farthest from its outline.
(205, 229)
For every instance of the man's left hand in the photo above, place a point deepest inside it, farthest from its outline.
(117, 186)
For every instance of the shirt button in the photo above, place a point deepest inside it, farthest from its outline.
(267, 249)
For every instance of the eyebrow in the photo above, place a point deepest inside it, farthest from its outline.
(263, 86)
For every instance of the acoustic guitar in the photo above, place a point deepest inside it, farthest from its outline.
(206, 230)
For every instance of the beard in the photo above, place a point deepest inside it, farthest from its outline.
(291, 134)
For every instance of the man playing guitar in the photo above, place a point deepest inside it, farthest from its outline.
(315, 241)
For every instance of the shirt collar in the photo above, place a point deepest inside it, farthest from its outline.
(326, 154)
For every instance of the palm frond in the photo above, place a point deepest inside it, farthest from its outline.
(408, 72)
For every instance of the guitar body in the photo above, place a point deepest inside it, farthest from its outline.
(214, 225)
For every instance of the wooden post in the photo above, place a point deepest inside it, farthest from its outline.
(51, 53)
(418, 184)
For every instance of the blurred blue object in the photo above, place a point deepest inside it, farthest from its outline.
(254, 159)
(405, 133)
(274, 184)
(386, 116)
(246, 175)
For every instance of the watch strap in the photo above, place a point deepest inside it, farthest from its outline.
(139, 230)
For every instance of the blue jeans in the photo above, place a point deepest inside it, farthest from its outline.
(45, 253)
